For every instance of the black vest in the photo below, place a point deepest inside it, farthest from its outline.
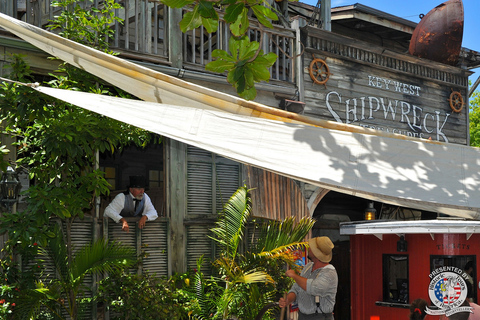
(129, 207)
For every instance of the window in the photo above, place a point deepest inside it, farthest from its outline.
(459, 262)
(155, 178)
(110, 176)
(395, 278)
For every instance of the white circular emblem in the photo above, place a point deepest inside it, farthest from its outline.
(447, 290)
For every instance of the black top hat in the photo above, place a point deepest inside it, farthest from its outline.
(137, 182)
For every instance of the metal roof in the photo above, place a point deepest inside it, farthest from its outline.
(366, 20)
(439, 226)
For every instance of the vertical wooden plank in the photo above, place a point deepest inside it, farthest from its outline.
(175, 166)
(175, 37)
(156, 27)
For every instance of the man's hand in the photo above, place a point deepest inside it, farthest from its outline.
(125, 226)
(287, 299)
(290, 273)
(141, 222)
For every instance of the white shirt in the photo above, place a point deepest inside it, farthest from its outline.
(116, 206)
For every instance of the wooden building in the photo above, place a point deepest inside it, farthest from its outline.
(354, 69)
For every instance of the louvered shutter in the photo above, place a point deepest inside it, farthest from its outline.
(81, 235)
(151, 242)
(211, 181)
(155, 245)
(198, 244)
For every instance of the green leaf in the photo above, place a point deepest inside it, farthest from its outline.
(248, 94)
(233, 45)
(177, 3)
(271, 58)
(233, 11)
(206, 10)
(248, 49)
(259, 72)
(249, 77)
(238, 73)
(222, 54)
(210, 24)
(241, 24)
(264, 15)
(219, 66)
(191, 20)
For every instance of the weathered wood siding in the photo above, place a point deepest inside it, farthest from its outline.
(372, 87)
(273, 196)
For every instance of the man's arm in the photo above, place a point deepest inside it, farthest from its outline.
(301, 281)
(115, 207)
(149, 212)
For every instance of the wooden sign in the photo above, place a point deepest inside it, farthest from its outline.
(368, 86)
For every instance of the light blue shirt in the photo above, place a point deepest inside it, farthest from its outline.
(321, 282)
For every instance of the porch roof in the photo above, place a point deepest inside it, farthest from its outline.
(439, 226)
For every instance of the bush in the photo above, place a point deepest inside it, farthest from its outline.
(132, 296)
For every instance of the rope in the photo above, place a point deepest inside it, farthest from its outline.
(31, 85)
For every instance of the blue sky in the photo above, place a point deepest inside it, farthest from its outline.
(411, 9)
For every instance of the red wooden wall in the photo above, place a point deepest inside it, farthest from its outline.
(367, 277)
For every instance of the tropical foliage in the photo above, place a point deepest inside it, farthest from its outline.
(146, 297)
(249, 279)
(475, 119)
(57, 145)
(65, 292)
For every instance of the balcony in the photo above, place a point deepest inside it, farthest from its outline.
(144, 34)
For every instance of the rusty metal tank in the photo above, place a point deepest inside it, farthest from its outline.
(439, 34)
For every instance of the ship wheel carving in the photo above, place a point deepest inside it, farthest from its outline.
(456, 101)
(319, 71)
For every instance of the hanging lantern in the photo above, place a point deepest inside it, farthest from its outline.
(10, 187)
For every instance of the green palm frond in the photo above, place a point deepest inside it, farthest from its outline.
(205, 303)
(235, 273)
(30, 302)
(254, 276)
(56, 251)
(284, 253)
(232, 221)
(258, 302)
(65, 291)
(282, 234)
(102, 256)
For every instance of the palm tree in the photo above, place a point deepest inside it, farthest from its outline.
(64, 294)
(241, 273)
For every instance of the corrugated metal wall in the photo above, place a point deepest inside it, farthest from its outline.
(275, 197)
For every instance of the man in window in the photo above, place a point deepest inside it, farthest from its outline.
(134, 202)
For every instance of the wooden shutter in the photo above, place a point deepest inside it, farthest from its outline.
(150, 242)
(211, 181)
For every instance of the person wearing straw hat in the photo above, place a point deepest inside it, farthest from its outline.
(316, 286)
(132, 203)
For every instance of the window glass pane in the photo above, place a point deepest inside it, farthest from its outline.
(395, 278)
(466, 263)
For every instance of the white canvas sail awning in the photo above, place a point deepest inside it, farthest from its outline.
(388, 168)
(439, 178)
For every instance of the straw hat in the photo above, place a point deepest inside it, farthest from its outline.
(321, 248)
